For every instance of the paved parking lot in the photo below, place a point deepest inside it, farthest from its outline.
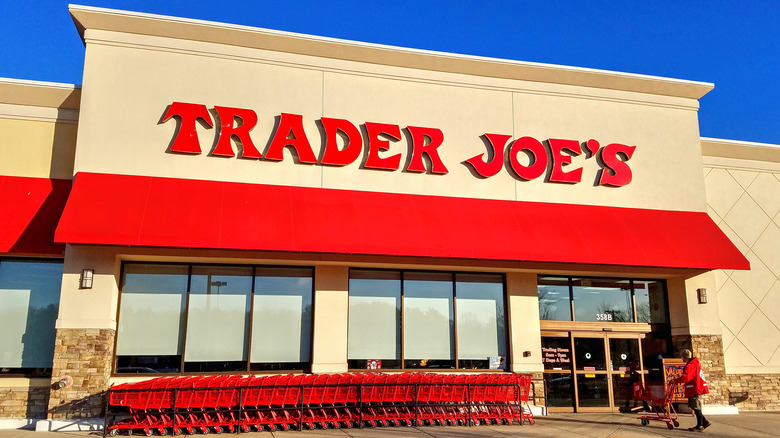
(749, 424)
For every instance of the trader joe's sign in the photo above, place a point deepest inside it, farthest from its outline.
(550, 159)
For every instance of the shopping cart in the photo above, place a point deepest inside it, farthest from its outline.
(659, 397)
(234, 403)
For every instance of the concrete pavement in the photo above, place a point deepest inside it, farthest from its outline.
(748, 424)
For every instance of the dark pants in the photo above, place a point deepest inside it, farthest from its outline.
(695, 404)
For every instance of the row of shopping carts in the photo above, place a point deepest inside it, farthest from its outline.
(234, 403)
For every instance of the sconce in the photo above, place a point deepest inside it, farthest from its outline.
(86, 279)
(702, 295)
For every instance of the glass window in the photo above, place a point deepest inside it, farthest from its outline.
(650, 297)
(560, 391)
(234, 318)
(602, 300)
(556, 353)
(554, 299)
(590, 354)
(29, 303)
(218, 319)
(481, 325)
(151, 318)
(593, 390)
(281, 320)
(655, 347)
(374, 319)
(429, 324)
(624, 354)
(403, 320)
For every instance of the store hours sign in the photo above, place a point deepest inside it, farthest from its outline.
(550, 159)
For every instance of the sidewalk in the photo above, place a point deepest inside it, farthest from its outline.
(748, 424)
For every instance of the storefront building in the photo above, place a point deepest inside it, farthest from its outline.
(223, 199)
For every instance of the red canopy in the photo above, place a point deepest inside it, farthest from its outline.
(167, 212)
(31, 210)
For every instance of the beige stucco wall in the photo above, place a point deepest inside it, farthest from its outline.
(743, 198)
(38, 123)
(331, 307)
(130, 79)
(523, 315)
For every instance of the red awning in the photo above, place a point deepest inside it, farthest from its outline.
(166, 212)
(31, 210)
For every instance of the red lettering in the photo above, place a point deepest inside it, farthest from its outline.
(419, 147)
(616, 173)
(239, 132)
(353, 142)
(538, 164)
(290, 133)
(186, 139)
(376, 145)
(480, 163)
(557, 147)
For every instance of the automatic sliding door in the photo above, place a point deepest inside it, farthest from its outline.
(591, 374)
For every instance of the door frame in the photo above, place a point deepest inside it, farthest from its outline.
(605, 334)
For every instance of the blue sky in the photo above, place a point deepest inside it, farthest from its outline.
(733, 44)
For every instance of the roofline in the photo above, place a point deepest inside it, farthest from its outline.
(88, 17)
(743, 150)
(39, 93)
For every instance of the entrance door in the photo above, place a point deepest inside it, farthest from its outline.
(606, 365)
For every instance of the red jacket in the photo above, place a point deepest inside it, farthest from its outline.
(693, 379)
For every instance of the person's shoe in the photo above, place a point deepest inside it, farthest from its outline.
(706, 425)
(696, 429)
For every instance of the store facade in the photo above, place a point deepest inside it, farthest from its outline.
(237, 200)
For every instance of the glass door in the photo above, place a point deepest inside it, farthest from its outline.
(606, 366)
(591, 374)
(625, 370)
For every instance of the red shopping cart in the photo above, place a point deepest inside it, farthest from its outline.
(659, 397)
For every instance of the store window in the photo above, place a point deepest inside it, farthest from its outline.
(650, 299)
(554, 299)
(200, 318)
(281, 323)
(426, 320)
(150, 333)
(603, 300)
(29, 303)
(218, 319)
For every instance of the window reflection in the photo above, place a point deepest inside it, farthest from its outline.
(374, 318)
(554, 300)
(153, 310)
(590, 354)
(650, 297)
(29, 302)
(481, 326)
(281, 322)
(602, 300)
(151, 318)
(218, 319)
(429, 323)
(382, 304)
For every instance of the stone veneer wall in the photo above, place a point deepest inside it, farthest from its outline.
(751, 392)
(29, 402)
(709, 350)
(537, 388)
(86, 356)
